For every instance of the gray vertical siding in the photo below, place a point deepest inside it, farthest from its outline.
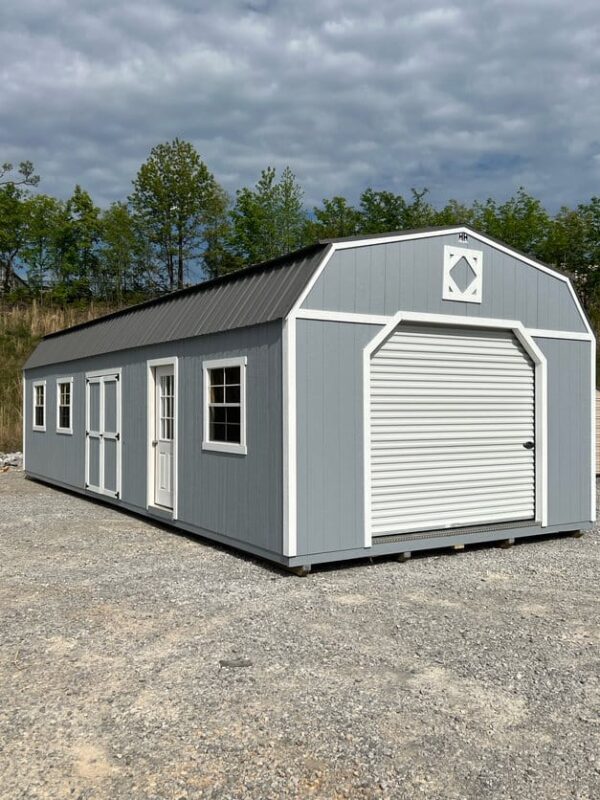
(58, 455)
(239, 496)
(408, 276)
(330, 433)
(235, 496)
(569, 430)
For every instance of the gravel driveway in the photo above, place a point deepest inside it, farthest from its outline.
(473, 675)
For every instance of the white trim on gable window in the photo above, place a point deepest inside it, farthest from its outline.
(64, 400)
(39, 405)
(224, 405)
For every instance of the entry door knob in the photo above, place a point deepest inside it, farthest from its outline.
(528, 445)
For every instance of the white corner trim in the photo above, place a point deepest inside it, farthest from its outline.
(151, 365)
(24, 418)
(224, 447)
(59, 382)
(290, 486)
(35, 427)
(541, 401)
(593, 431)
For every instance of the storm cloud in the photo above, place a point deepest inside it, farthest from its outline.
(469, 98)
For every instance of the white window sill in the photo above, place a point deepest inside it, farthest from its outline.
(224, 447)
(41, 429)
(66, 431)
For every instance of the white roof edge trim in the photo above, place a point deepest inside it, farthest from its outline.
(335, 246)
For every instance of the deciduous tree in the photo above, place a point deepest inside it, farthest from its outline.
(176, 200)
(269, 219)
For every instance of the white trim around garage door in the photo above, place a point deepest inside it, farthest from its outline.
(151, 364)
(541, 402)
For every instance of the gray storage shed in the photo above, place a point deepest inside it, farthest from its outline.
(359, 397)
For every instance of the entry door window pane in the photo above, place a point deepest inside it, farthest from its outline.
(167, 407)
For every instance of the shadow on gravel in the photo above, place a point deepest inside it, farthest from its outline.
(280, 571)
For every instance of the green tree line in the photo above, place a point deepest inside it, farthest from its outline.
(179, 224)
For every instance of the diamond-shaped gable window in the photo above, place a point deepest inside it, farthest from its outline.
(463, 274)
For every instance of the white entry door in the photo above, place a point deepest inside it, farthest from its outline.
(164, 434)
(452, 430)
(103, 433)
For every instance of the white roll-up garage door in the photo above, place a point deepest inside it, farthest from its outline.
(452, 430)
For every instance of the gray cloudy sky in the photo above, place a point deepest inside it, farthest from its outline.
(469, 98)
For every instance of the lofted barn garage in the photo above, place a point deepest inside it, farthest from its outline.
(359, 397)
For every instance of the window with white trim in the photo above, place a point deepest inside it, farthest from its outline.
(225, 405)
(64, 405)
(39, 406)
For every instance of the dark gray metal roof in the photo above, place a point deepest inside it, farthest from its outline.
(249, 296)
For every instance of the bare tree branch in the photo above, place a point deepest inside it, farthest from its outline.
(25, 171)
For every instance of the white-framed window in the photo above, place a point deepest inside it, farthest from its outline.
(64, 405)
(225, 405)
(39, 406)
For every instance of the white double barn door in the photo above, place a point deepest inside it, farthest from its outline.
(452, 430)
(103, 433)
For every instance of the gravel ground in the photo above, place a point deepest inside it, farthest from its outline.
(451, 676)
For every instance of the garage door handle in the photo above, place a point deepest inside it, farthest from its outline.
(528, 445)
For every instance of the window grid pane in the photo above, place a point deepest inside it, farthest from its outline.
(167, 407)
(64, 406)
(38, 416)
(224, 407)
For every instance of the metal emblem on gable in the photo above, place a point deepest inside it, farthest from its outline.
(463, 274)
